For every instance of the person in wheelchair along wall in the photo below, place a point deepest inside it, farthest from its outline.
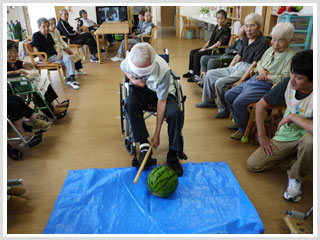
(295, 131)
(17, 110)
(152, 89)
(17, 67)
(209, 62)
(273, 67)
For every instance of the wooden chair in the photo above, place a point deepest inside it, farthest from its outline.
(188, 25)
(149, 38)
(44, 65)
(103, 39)
(252, 109)
(77, 46)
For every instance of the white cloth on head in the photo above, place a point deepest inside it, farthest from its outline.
(141, 71)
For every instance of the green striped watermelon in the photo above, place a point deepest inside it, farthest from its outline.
(162, 181)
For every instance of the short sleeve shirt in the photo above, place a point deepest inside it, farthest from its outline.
(44, 44)
(276, 95)
(253, 52)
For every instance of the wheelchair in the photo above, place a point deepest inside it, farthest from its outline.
(23, 87)
(126, 128)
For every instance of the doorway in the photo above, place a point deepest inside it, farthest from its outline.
(166, 21)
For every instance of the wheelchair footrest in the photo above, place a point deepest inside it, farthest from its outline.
(35, 141)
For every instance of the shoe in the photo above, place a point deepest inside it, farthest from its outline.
(187, 75)
(16, 191)
(38, 124)
(201, 83)
(94, 59)
(28, 136)
(63, 105)
(191, 79)
(206, 105)
(79, 72)
(173, 162)
(116, 59)
(198, 79)
(237, 135)
(16, 202)
(232, 126)
(222, 115)
(76, 82)
(57, 111)
(103, 50)
(294, 190)
(73, 85)
(143, 151)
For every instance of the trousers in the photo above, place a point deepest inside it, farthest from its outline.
(218, 81)
(141, 99)
(194, 59)
(303, 148)
(239, 97)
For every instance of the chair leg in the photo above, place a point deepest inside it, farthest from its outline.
(250, 122)
(60, 76)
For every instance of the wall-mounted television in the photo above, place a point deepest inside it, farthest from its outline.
(111, 14)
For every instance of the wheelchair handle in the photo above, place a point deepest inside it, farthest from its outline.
(143, 164)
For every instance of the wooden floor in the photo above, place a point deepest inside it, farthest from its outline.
(89, 137)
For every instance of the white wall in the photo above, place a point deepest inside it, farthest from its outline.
(188, 11)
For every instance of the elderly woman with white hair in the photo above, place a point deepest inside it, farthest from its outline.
(152, 87)
(273, 67)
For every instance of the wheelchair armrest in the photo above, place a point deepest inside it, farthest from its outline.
(175, 75)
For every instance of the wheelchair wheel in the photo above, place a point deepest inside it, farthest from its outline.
(121, 109)
(15, 154)
(129, 146)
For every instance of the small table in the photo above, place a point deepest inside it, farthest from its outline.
(112, 28)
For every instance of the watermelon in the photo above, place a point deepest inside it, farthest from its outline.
(162, 181)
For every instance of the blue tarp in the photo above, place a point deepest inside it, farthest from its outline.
(208, 200)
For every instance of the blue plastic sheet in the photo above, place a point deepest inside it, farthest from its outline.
(208, 200)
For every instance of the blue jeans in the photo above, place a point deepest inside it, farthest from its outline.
(239, 97)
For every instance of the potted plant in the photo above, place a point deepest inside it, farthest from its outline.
(205, 11)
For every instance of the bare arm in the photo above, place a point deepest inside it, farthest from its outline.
(235, 60)
(264, 141)
(301, 121)
(161, 109)
(245, 76)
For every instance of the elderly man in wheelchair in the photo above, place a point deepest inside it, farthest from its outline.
(152, 89)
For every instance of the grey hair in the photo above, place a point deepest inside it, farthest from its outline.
(52, 19)
(142, 53)
(42, 20)
(254, 16)
(283, 30)
(62, 10)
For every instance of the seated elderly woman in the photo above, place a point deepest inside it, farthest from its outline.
(64, 47)
(15, 66)
(273, 67)
(145, 29)
(43, 42)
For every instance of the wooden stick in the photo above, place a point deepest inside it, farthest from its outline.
(143, 164)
